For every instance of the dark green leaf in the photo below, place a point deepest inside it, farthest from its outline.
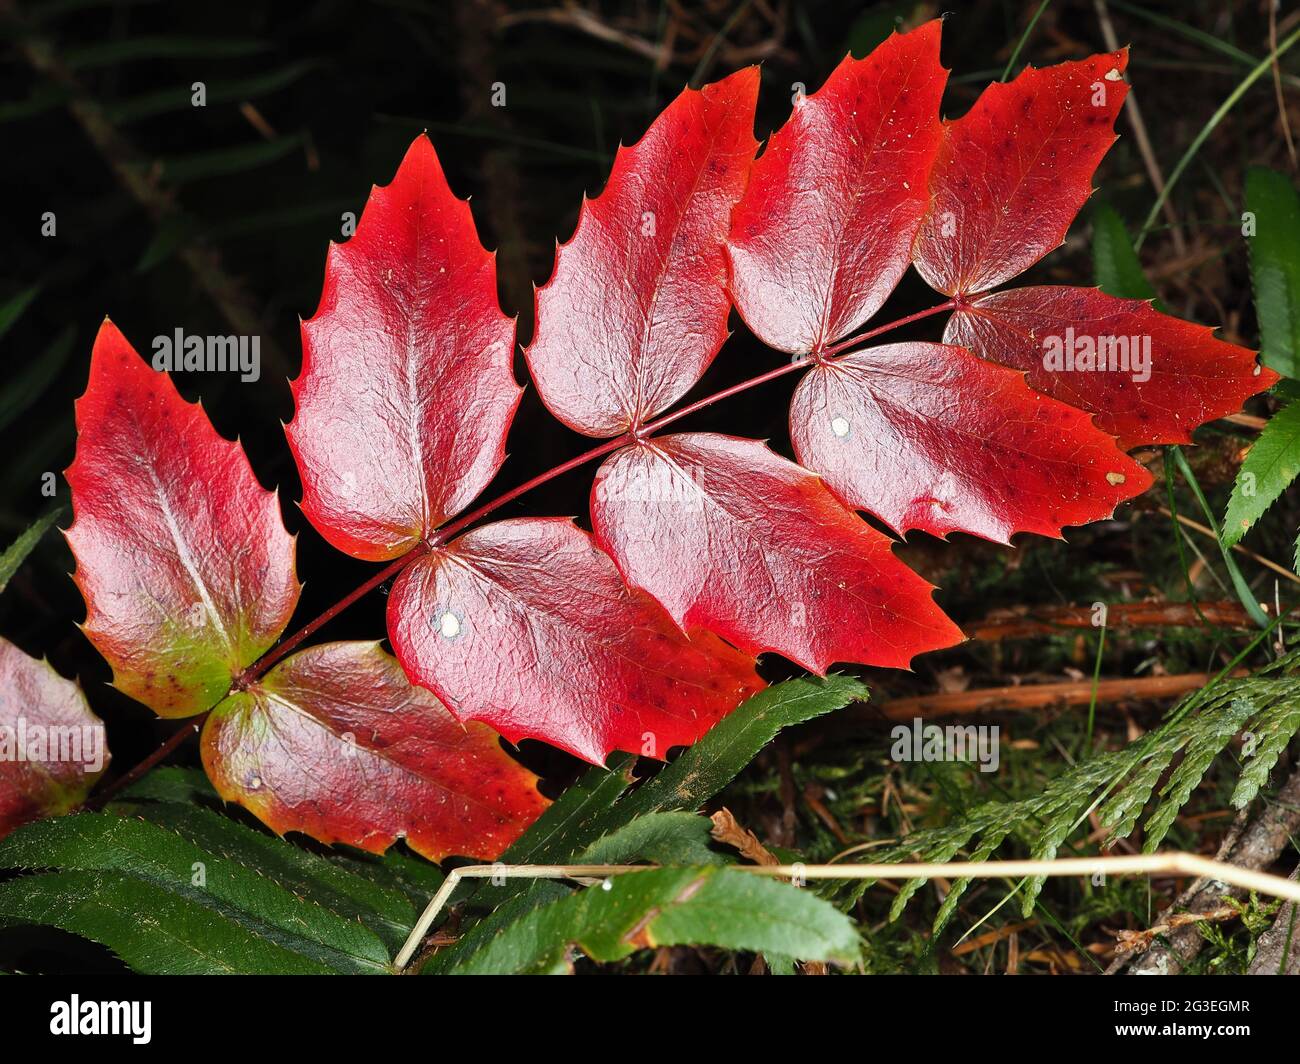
(223, 161)
(12, 308)
(385, 892)
(16, 553)
(1115, 264)
(728, 908)
(43, 98)
(1174, 458)
(718, 758)
(172, 784)
(232, 886)
(181, 98)
(385, 910)
(658, 838)
(591, 809)
(129, 49)
(29, 383)
(397, 870)
(1275, 267)
(1270, 466)
(155, 931)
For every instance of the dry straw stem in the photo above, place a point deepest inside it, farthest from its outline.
(1205, 530)
(1038, 695)
(1155, 864)
(1024, 622)
(1128, 941)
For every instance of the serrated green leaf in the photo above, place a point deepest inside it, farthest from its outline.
(718, 758)
(1275, 267)
(172, 783)
(658, 838)
(1269, 734)
(99, 842)
(592, 808)
(384, 909)
(1270, 466)
(413, 877)
(17, 551)
(155, 931)
(667, 907)
(567, 825)
(393, 887)
(1115, 264)
(1212, 734)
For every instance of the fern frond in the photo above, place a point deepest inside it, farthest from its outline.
(1118, 785)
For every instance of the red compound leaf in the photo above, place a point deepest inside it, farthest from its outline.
(406, 391)
(825, 230)
(52, 747)
(637, 306)
(336, 743)
(1013, 172)
(406, 396)
(182, 557)
(527, 626)
(927, 436)
(730, 537)
(1147, 378)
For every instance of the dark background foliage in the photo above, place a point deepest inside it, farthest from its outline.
(216, 219)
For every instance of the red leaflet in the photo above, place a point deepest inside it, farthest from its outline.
(1013, 172)
(52, 747)
(1074, 345)
(825, 230)
(1009, 179)
(928, 436)
(732, 538)
(636, 308)
(336, 743)
(526, 625)
(182, 557)
(406, 391)
(406, 395)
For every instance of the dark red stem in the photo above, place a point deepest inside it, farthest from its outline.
(442, 535)
(281, 649)
(190, 727)
(843, 345)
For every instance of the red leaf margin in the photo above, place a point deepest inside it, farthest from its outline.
(993, 213)
(149, 471)
(1211, 378)
(33, 694)
(603, 365)
(414, 265)
(777, 242)
(496, 622)
(970, 446)
(788, 568)
(363, 757)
